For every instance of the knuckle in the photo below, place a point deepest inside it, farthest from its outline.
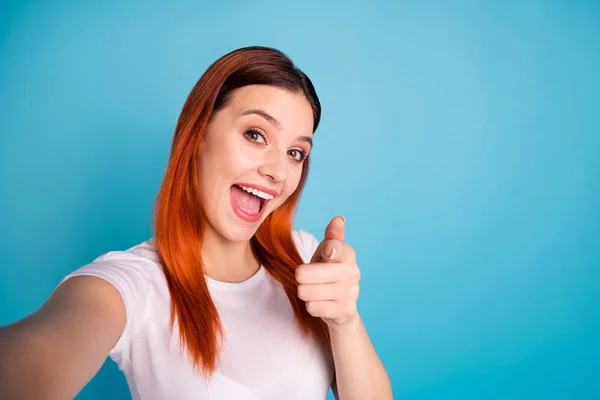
(352, 272)
(301, 292)
(351, 252)
(300, 272)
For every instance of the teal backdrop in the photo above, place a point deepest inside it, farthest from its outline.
(460, 140)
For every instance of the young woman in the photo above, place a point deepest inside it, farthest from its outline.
(226, 300)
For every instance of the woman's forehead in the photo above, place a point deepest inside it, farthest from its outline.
(280, 107)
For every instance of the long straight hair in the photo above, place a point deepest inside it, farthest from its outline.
(179, 220)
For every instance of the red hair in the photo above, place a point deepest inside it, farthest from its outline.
(179, 218)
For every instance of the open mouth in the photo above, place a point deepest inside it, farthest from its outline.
(249, 203)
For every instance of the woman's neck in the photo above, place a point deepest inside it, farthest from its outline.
(228, 261)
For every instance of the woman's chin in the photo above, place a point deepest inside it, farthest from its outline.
(240, 231)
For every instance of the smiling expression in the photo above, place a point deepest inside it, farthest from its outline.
(251, 157)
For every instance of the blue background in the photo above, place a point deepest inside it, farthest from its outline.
(459, 139)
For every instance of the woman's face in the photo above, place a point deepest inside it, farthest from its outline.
(257, 143)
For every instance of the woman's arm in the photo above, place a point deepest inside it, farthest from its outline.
(329, 285)
(54, 352)
(359, 374)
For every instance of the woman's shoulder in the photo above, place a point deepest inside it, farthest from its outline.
(140, 263)
(145, 253)
(134, 272)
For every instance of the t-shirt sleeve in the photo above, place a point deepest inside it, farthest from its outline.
(306, 243)
(131, 276)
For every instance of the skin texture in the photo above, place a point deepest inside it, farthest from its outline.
(232, 154)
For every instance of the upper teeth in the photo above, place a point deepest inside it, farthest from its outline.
(258, 193)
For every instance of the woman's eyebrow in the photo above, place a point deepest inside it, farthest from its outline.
(271, 119)
(306, 139)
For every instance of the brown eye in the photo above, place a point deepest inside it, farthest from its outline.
(298, 155)
(255, 136)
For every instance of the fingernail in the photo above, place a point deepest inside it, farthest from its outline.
(329, 253)
(343, 219)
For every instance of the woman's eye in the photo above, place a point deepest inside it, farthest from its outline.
(255, 136)
(298, 155)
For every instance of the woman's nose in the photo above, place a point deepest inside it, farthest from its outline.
(275, 167)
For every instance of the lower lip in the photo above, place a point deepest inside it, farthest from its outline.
(244, 215)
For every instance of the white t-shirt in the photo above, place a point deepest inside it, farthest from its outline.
(263, 357)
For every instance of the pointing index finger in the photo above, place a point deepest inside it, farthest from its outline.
(335, 229)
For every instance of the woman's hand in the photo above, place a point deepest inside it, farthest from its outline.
(329, 284)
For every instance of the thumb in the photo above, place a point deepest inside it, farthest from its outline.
(335, 229)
